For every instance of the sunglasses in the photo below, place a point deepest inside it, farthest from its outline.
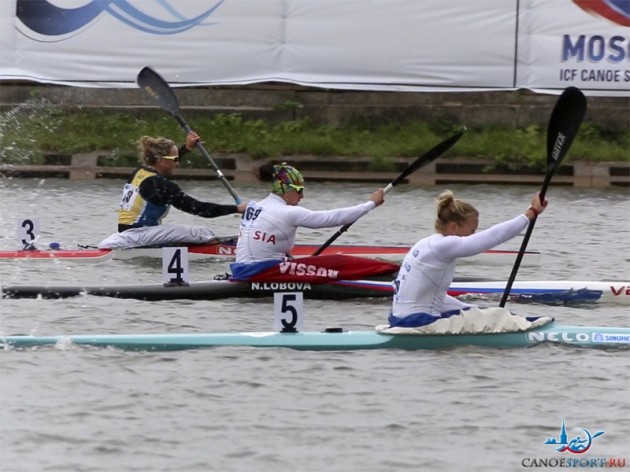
(171, 158)
(298, 188)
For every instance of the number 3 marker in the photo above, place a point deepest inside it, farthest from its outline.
(27, 231)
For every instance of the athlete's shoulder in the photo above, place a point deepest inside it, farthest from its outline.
(139, 173)
(162, 181)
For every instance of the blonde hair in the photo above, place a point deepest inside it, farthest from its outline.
(151, 148)
(450, 209)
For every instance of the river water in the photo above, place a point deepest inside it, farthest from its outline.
(241, 409)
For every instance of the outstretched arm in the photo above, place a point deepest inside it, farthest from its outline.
(162, 191)
(330, 218)
(452, 247)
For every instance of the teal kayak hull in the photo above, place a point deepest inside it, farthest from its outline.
(334, 340)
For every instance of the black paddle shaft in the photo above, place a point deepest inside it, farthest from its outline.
(422, 161)
(563, 127)
(158, 89)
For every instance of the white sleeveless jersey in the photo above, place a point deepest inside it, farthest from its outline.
(268, 228)
(428, 268)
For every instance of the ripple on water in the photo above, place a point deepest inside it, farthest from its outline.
(241, 409)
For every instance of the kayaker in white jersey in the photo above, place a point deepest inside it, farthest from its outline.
(147, 198)
(268, 227)
(428, 268)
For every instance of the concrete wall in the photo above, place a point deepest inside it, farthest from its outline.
(241, 168)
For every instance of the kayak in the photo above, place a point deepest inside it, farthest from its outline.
(335, 339)
(75, 255)
(551, 292)
(225, 251)
(615, 292)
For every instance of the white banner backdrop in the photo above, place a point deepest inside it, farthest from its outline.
(405, 45)
(561, 44)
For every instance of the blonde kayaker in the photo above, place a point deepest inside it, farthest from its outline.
(148, 196)
(428, 269)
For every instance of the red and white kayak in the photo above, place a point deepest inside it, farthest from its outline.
(226, 251)
(78, 255)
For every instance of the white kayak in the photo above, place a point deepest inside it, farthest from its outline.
(616, 292)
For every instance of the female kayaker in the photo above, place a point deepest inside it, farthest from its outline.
(268, 227)
(148, 196)
(428, 268)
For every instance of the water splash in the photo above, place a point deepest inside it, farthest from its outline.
(21, 129)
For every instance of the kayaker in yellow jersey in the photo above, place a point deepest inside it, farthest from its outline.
(148, 196)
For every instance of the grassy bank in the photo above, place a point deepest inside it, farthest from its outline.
(29, 131)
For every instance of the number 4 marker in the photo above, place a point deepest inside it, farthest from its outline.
(175, 266)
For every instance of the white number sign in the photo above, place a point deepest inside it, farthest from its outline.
(175, 265)
(288, 311)
(27, 231)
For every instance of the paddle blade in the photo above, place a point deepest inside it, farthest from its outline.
(428, 157)
(564, 123)
(563, 126)
(156, 87)
(423, 160)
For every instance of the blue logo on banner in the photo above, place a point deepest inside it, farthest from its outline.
(46, 19)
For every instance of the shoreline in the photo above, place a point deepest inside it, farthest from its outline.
(241, 168)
